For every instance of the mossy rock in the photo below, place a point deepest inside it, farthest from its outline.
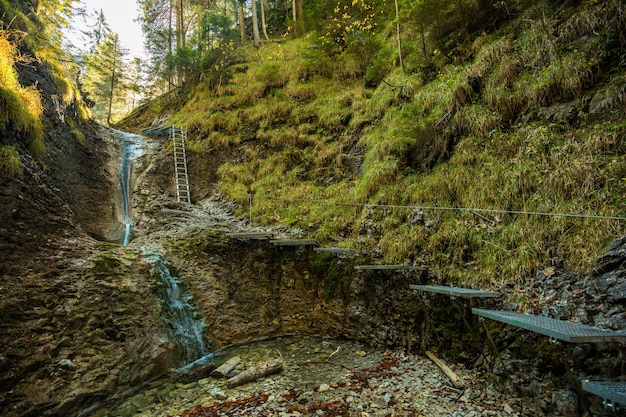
(106, 263)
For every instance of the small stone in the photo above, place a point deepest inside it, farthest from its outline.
(204, 381)
(218, 394)
(361, 353)
(492, 392)
(66, 364)
(323, 388)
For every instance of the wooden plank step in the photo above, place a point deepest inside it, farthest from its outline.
(173, 211)
(612, 392)
(455, 291)
(389, 267)
(344, 251)
(251, 235)
(558, 329)
(294, 242)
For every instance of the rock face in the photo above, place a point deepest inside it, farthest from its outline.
(80, 320)
(610, 280)
(80, 332)
(252, 289)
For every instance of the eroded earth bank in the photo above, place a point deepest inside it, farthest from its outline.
(83, 330)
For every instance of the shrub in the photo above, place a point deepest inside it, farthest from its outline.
(20, 107)
(10, 164)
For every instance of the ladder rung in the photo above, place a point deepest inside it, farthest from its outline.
(180, 165)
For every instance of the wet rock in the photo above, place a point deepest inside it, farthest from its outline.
(566, 403)
(617, 293)
(614, 259)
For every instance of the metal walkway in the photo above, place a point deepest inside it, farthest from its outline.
(294, 242)
(340, 251)
(455, 291)
(612, 392)
(251, 235)
(558, 329)
(389, 267)
(179, 136)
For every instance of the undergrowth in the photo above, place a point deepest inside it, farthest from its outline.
(25, 40)
(10, 164)
(20, 107)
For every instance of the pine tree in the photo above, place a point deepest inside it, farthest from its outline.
(104, 79)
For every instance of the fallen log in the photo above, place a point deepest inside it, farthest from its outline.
(456, 380)
(226, 367)
(259, 371)
(197, 373)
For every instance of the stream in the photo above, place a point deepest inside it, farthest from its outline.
(185, 324)
(323, 377)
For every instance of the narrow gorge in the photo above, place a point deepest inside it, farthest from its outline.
(345, 174)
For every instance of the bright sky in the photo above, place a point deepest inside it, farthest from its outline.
(120, 15)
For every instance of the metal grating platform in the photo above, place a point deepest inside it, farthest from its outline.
(610, 391)
(251, 235)
(559, 329)
(295, 242)
(341, 251)
(389, 267)
(455, 291)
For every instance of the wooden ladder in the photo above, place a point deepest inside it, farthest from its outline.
(178, 136)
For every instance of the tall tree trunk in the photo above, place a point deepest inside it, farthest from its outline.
(263, 24)
(300, 10)
(293, 10)
(170, 40)
(177, 15)
(255, 25)
(242, 21)
(113, 74)
(297, 16)
(183, 29)
(398, 35)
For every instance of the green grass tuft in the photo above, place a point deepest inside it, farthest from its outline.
(20, 107)
(10, 163)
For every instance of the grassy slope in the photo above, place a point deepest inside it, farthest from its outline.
(529, 118)
(23, 41)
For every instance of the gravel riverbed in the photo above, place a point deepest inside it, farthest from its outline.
(326, 377)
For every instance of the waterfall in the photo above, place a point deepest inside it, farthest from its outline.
(182, 318)
(185, 325)
(131, 148)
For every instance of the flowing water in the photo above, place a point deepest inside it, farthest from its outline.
(186, 327)
(185, 324)
(133, 146)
